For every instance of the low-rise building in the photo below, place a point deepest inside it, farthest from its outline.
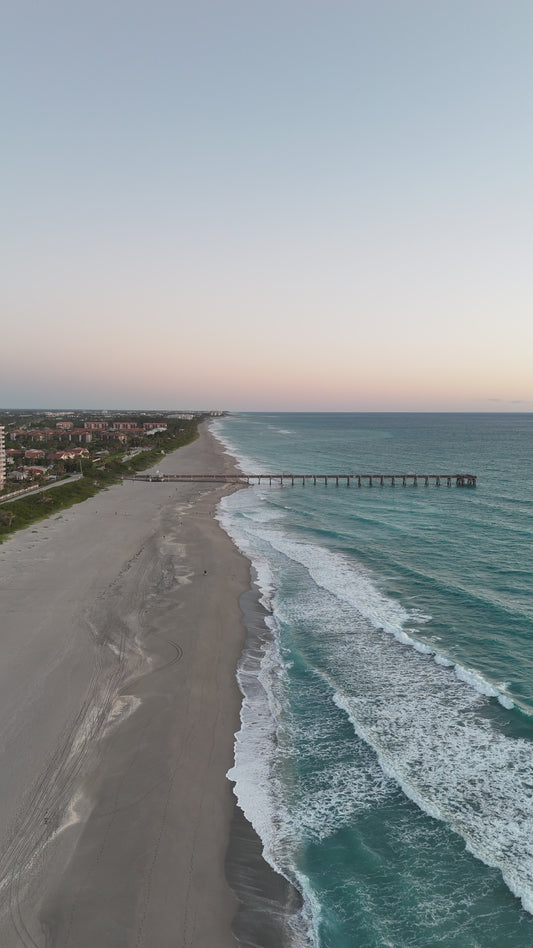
(69, 454)
(62, 455)
(35, 471)
(18, 475)
(34, 454)
(81, 435)
(124, 425)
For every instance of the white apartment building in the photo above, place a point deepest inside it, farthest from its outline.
(2, 457)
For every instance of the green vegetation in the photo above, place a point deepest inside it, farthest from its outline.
(98, 474)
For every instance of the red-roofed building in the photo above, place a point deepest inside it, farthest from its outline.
(34, 471)
(62, 455)
(95, 425)
(42, 434)
(80, 434)
(69, 454)
(34, 454)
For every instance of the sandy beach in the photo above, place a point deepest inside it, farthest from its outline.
(120, 635)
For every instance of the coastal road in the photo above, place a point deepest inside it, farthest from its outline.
(37, 490)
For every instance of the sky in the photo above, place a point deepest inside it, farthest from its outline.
(285, 205)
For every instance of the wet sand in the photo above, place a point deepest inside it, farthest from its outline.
(269, 911)
(120, 635)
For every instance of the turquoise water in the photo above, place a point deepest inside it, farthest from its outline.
(385, 754)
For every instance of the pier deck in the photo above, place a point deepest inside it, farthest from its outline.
(289, 479)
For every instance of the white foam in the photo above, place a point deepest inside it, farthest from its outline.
(443, 660)
(476, 680)
(515, 886)
(243, 540)
(353, 584)
(255, 748)
(306, 935)
(506, 702)
(421, 647)
(247, 464)
(453, 764)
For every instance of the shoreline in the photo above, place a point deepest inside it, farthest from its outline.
(268, 903)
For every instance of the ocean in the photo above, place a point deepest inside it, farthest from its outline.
(385, 751)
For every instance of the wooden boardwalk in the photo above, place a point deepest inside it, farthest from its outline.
(289, 479)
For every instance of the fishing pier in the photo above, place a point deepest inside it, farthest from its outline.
(289, 479)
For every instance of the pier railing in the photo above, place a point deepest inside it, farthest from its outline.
(289, 479)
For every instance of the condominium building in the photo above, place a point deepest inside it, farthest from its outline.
(2, 457)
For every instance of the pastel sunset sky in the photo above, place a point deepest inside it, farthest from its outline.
(267, 204)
